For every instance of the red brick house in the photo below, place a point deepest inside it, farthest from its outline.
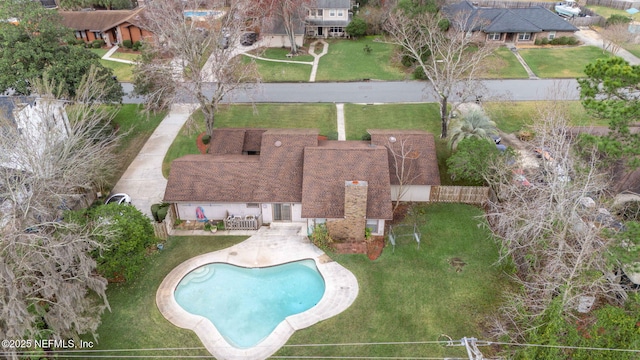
(280, 175)
(112, 26)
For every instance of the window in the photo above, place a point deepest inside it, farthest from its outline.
(494, 36)
(524, 36)
(372, 224)
(336, 29)
(319, 12)
(552, 35)
(253, 205)
(332, 12)
(340, 13)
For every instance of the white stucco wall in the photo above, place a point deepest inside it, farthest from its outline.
(412, 193)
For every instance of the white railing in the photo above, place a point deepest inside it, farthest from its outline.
(249, 222)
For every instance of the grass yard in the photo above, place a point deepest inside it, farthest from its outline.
(512, 117)
(315, 116)
(126, 55)
(606, 12)
(407, 295)
(359, 118)
(138, 127)
(633, 48)
(124, 72)
(561, 62)
(502, 64)
(281, 54)
(281, 72)
(135, 322)
(348, 61)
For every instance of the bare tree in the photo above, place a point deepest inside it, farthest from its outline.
(450, 59)
(48, 285)
(616, 36)
(288, 14)
(547, 228)
(193, 55)
(404, 165)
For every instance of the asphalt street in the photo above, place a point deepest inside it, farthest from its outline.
(370, 92)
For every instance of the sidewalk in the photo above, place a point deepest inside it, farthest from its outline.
(143, 180)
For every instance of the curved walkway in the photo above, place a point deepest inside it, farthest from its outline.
(282, 243)
(143, 179)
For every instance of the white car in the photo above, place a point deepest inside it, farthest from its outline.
(120, 198)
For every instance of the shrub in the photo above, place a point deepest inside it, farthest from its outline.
(419, 74)
(154, 211)
(125, 246)
(206, 139)
(320, 237)
(332, 135)
(137, 46)
(357, 27)
(366, 137)
(127, 43)
(407, 61)
(162, 213)
(617, 19)
(97, 44)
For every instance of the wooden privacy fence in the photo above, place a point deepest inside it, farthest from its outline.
(459, 194)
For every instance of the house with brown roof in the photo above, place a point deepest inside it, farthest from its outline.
(112, 26)
(274, 175)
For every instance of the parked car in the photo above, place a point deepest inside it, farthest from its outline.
(248, 38)
(120, 198)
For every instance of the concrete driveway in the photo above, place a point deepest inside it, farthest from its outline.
(143, 180)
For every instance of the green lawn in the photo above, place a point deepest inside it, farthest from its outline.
(503, 64)
(315, 116)
(347, 61)
(606, 12)
(131, 56)
(561, 62)
(407, 295)
(281, 54)
(512, 117)
(138, 127)
(124, 72)
(281, 72)
(359, 118)
(134, 321)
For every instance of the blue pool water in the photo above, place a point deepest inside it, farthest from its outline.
(246, 304)
(201, 13)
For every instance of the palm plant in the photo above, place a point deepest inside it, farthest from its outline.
(474, 124)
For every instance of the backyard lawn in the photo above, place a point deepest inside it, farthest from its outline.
(561, 62)
(314, 116)
(407, 295)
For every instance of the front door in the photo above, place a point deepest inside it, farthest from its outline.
(320, 28)
(281, 212)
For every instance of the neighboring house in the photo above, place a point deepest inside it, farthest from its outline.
(274, 34)
(112, 26)
(35, 120)
(518, 25)
(274, 175)
(328, 18)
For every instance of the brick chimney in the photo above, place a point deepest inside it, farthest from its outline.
(351, 228)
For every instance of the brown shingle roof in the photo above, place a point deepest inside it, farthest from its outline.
(99, 20)
(327, 167)
(274, 176)
(235, 140)
(421, 154)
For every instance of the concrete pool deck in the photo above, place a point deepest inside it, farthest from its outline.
(278, 244)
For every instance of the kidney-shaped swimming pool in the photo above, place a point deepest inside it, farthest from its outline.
(247, 304)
